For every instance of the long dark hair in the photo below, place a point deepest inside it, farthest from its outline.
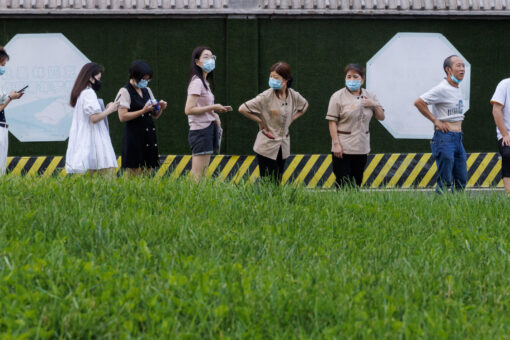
(82, 81)
(196, 70)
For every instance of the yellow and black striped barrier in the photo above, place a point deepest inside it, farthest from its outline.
(396, 170)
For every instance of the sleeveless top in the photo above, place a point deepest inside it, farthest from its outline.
(139, 144)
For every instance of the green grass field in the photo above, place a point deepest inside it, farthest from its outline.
(161, 258)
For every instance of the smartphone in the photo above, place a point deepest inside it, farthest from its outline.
(23, 89)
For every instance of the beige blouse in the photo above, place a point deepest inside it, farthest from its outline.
(125, 99)
(277, 115)
(352, 120)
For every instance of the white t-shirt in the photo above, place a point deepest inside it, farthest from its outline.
(447, 102)
(502, 96)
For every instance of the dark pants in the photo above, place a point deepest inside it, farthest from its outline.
(270, 168)
(450, 157)
(349, 169)
(505, 159)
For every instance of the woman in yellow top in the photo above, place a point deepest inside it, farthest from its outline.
(274, 110)
(349, 112)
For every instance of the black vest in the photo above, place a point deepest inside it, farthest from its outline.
(137, 102)
(139, 143)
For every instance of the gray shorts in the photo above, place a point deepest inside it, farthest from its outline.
(202, 141)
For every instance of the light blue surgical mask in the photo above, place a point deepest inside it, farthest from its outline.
(353, 85)
(2, 70)
(142, 83)
(275, 84)
(455, 80)
(208, 65)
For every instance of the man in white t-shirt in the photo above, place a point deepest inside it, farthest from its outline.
(501, 111)
(447, 113)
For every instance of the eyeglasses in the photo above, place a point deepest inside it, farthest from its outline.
(208, 57)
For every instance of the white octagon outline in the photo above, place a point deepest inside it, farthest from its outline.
(413, 114)
(60, 101)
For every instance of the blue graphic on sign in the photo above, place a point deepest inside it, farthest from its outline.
(48, 64)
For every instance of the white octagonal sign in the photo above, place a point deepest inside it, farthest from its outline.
(48, 64)
(406, 67)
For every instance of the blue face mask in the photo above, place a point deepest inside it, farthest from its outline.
(142, 83)
(455, 80)
(353, 85)
(2, 70)
(275, 84)
(209, 65)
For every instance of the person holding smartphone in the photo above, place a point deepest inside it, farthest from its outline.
(138, 108)
(90, 147)
(274, 110)
(349, 113)
(5, 99)
(204, 123)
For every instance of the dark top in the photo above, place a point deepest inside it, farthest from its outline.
(2, 116)
(139, 144)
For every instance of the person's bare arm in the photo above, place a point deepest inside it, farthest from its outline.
(379, 113)
(497, 112)
(110, 108)
(337, 147)
(424, 110)
(191, 107)
(125, 116)
(300, 113)
(245, 112)
(13, 95)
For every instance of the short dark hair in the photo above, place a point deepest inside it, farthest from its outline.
(139, 69)
(356, 68)
(448, 62)
(3, 54)
(283, 69)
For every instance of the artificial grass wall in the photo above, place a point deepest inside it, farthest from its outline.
(316, 49)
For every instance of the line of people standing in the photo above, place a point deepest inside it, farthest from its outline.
(349, 113)
(274, 110)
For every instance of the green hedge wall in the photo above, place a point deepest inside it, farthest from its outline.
(317, 50)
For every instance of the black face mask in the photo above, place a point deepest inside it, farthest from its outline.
(96, 86)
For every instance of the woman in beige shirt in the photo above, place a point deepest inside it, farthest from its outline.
(274, 110)
(349, 113)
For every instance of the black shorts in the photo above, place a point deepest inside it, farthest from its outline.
(505, 158)
(202, 142)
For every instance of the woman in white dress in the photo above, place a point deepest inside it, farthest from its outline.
(90, 147)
